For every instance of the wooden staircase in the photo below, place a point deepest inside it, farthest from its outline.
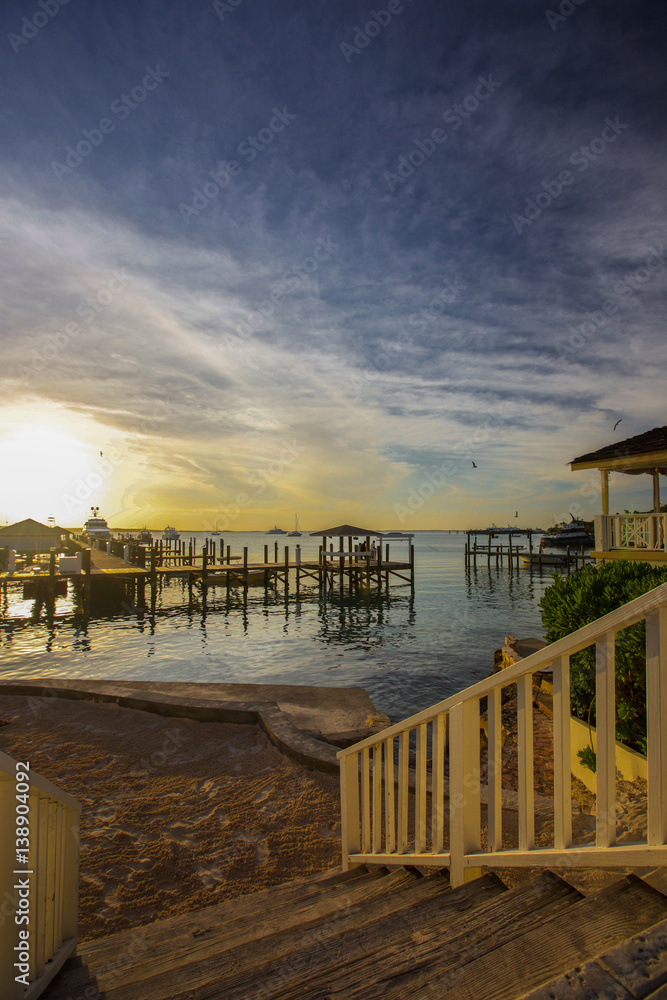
(365, 934)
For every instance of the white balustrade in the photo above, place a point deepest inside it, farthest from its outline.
(51, 898)
(413, 794)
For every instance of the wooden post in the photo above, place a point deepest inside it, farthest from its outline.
(204, 561)
(412, 565)
(229, 557)
(286, 570)
(276, 551)
(266, 553)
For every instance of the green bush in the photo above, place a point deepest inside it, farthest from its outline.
(574, 601)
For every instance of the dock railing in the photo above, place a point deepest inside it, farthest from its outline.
(414, 794)
(39, 865)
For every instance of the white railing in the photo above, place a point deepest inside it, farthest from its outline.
(631, 531)
(40, 889)
(393, 806)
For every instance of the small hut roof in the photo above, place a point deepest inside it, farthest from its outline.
(344, 531)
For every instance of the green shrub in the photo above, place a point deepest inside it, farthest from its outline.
(574, 601)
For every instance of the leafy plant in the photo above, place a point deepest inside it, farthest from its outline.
(588, 758)
(574, 601)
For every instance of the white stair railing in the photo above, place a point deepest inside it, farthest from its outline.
(39, 879)
(395, 809)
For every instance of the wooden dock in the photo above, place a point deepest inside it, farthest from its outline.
(135, 567)
(515, 554)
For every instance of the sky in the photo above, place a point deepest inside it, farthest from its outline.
(391, 264)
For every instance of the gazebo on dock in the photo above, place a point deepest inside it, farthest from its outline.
(361, 564)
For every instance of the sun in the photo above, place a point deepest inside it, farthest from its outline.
(48, 472)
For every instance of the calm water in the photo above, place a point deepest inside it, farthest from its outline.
(408, 651)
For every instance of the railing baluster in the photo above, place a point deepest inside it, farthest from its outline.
(495, 771)
(403, 753)
(349, 806)
(605, 726)
(438, 783)
(389, 802)
(377, 799)
(656, 717)
(464, 787)
(562, 754)
(420, 790)
(524, 691)
(365, 802)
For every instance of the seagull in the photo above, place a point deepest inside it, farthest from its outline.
(473, 464)
(516, 513)
(617, 423)
(100, 454)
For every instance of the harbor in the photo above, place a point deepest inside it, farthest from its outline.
(405, 646)
(513, 554)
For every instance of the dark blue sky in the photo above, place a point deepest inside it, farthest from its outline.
(324, 255)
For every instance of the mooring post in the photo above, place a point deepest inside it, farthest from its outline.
(266, 553)
(286, 569)
(412, 565)
(275, 551)
(229, 557)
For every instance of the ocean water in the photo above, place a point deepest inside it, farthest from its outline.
(407, 650)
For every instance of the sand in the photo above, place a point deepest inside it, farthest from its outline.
(176, 814)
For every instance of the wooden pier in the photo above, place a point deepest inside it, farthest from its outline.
(514, 555)
(135, 566)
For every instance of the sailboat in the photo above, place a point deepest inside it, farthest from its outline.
(296, 533)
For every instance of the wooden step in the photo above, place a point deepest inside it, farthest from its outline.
(304, 957)
(117, 954)
(596, 924)
(197, 958)
(637, 968)
(431, 942)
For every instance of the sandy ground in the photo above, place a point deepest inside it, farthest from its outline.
(176, 814)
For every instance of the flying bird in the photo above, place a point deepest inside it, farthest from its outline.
(100, 454)
(516, 513)
(617, 423)
(473, 464)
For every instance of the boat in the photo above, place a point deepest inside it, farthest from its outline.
(96, 527)
(145, 537)
(551, 558)
(296, 533)
(574, 533)
(276, 531)
(170, 534)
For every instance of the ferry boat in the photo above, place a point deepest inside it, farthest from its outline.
(95, 527)
(276, 531)
(170, 534)
(574, 534)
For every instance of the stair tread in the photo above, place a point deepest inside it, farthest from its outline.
(633, 970)
(318, 920)
(239, 908)
(597, 924)
(437, 945)
(313, 957)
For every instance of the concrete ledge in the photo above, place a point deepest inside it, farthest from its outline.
(294, 743)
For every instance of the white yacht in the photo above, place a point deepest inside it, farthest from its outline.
(95, 526)
(170, 534)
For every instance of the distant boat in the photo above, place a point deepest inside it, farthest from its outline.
(296, 533)
(95, 526)
(276, 531)
(145, 537)
(574, 533)
(170, 534)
